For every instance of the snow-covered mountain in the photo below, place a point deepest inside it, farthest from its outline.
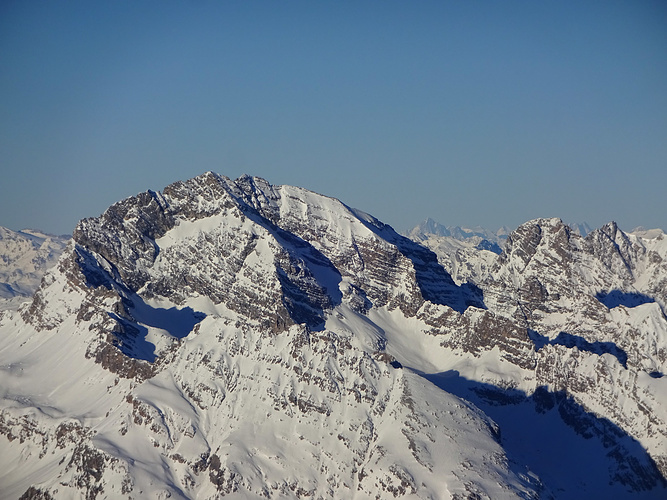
(464, 252)
(24, 258)
(233, 338)
(581, 228)
(477, 237)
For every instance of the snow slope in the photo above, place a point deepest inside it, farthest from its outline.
(24, 258)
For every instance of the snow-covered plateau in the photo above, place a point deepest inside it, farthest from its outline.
(231, 338)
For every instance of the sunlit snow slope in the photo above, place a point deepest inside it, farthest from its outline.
(24, 258)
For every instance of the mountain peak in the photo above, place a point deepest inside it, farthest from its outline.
(478, 235)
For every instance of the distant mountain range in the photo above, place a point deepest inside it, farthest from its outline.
(233, 338)
(432, 228)
(475, 235)
(24, 257)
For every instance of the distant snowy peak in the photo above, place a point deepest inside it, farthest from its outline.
(431, 227)
(476, 237)
(648, 234)
(463, 233)
(24, 257)
(581, 228)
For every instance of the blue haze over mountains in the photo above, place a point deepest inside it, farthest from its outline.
(488, 114)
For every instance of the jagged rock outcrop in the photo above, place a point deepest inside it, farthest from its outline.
(593, 310)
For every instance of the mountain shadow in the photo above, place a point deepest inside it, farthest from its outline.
(491, 246)
(177, 322)
(435, 283)
(131, 335)
(131, 331)
(615, 298)
(568, 340)
(131, 339)
(576, 453)
(309, 281)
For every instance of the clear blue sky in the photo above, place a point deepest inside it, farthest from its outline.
(469, 112)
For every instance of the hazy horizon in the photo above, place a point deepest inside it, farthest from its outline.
(486, 114)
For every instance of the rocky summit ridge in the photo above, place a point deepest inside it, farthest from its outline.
(234, 338)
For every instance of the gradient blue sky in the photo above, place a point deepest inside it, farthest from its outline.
(488, 113)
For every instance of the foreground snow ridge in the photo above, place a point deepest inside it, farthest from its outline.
(231, 338)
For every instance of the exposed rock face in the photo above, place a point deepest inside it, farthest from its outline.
(237, 338)
(592, 310)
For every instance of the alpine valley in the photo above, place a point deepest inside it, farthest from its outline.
(230, 338)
